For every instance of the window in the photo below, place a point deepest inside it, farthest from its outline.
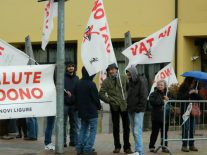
(49, 56)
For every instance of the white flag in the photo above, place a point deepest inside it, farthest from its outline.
(50, 13)
(97, 51)
(156, 48)
(186, 115)
(11, 56)
(167, 73)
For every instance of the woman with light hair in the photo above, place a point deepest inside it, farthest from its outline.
(157, 100)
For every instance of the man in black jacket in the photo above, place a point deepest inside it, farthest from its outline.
(87, 103)
(69, 105)
(136, 104)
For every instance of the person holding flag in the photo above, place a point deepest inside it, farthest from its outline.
(110, 92)
(157, 100)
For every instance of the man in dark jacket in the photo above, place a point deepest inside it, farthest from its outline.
(112, 94)
(69, 105)
(136, 104)
(87, 103)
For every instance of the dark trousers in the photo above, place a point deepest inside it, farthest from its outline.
(22, 126)
(4, 127)
(188, 131)
(116, 132)
(156, 127)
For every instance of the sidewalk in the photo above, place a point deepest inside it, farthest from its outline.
(103, 145)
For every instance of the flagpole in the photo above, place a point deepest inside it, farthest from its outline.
(121, 86)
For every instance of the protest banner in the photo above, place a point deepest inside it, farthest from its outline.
(27, 91)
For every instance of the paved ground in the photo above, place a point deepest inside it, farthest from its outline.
(103, 145)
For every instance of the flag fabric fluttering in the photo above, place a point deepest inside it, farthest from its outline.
(97, 50)
(50, 12)
(156, 48)
(11, 56)
(167, 73)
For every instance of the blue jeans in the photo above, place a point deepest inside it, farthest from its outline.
(188, 131)
(87, 135)
(32, 127)
(136, 121)
(49, 128)
(74, 121)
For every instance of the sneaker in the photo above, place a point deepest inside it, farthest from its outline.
(152, 149)
(184, 149)
(193, 148)
(135, 153)
(50, 146)
(6, 137)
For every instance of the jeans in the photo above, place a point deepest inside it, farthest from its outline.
(49, 128)
(188, 131)
(87, 135)
(74, 121)
(136, 121)
(126, 130)
(32, 127)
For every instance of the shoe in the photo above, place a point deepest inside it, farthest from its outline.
(93, 150)
(116, 150)
(19, 136)
(193, 148)
(91, 153)
(135, 153)
(65, 145)
(184, 149)
(128, 151)
(165, 150)
(50, 146)
(6, 137)
(152, 149)
(30, 138)
(72, 144)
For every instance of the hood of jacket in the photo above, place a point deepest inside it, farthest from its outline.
(133, 71)
(86, 76)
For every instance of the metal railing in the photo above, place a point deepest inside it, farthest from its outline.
(173, 111)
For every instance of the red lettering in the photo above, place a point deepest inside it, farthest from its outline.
(142, 48)
(134, 50)
(23, 94)
(3, 95)
(27, 76)
(103, 28)
(96, 5)
(99, 13)
(149, 41)
(37, 76)
(19, 79)
(4, 79)
(37, 93)
(162, 75)
(168, 30)
(167, 72)
(108, 48)
(10, 96)
(106, 38)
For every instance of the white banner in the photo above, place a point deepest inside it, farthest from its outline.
(11, 56)
(97, 51)
(156, 48)
(50, 13)
(27, 91)
(167, 73)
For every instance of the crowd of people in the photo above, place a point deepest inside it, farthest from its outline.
(127, 99)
